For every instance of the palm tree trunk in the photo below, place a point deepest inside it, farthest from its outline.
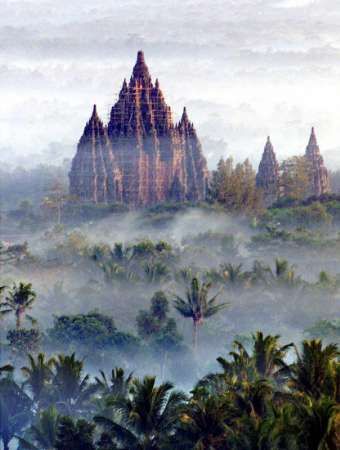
(6, 443)
(19, 316)
(195, 335)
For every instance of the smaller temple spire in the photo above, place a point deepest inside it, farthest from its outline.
(94, 112)
(267, 177)
(185, 117)
(312, 139)
(269, 146)
(320, 183)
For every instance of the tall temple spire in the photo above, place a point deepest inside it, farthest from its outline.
(267, 177)
(151, 157)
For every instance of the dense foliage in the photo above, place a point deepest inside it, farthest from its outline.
(261, 398)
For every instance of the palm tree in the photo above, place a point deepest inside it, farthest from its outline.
(155, 271)
(285, 273)
(281, 267)
(148, 415)
(38, 374)
(75, 434)
(72, 390)
(316, 370)
(42, 435)
(317, 423)
(204, 424)
(268, 355)
(15, 410)
(19, 300)
(118, 385)
(197, 306)
(232, 273)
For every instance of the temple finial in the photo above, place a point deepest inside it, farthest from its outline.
(312, 139)
(140, 57)
(140, 70)
(185, 115)
(94, 112)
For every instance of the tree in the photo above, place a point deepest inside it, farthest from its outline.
(42, 434)
(118, 385)
(15, 410)
(19, 300)
(232, 274)
(316, 371)
(204, 424)
(38, 375)
(268, 355)
(295, 179)
(24, 341)
(73, 391)
(235, 187)
(148, 415)
(150, 322)
(89, 333)
(75, 435)
(197, 306)
(317, 423)
(56, 200)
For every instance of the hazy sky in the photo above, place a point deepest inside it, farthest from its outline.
(244, 69)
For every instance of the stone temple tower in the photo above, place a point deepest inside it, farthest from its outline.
(320, 180)
(267, 177)
(142, 157)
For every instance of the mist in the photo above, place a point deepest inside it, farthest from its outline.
(66, 270)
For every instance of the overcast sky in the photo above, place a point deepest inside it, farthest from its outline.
(245, 69)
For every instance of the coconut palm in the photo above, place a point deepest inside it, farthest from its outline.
(37, 375)
(15, 410)
(42, 435)
(72, 390)
(204, 424)
(20, 299)
(316, 370)
(118, 385)
(268, 355)
(155, 271)
(316, 418)
(75, 435)
(232, 273)
(148, 415)
(197, 306)
(285, 273)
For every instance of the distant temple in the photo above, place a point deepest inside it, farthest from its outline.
(320, 180)
(141, 157)
(268, 175)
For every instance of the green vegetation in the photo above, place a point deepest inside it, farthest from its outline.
(260, 398)
(97, 363)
